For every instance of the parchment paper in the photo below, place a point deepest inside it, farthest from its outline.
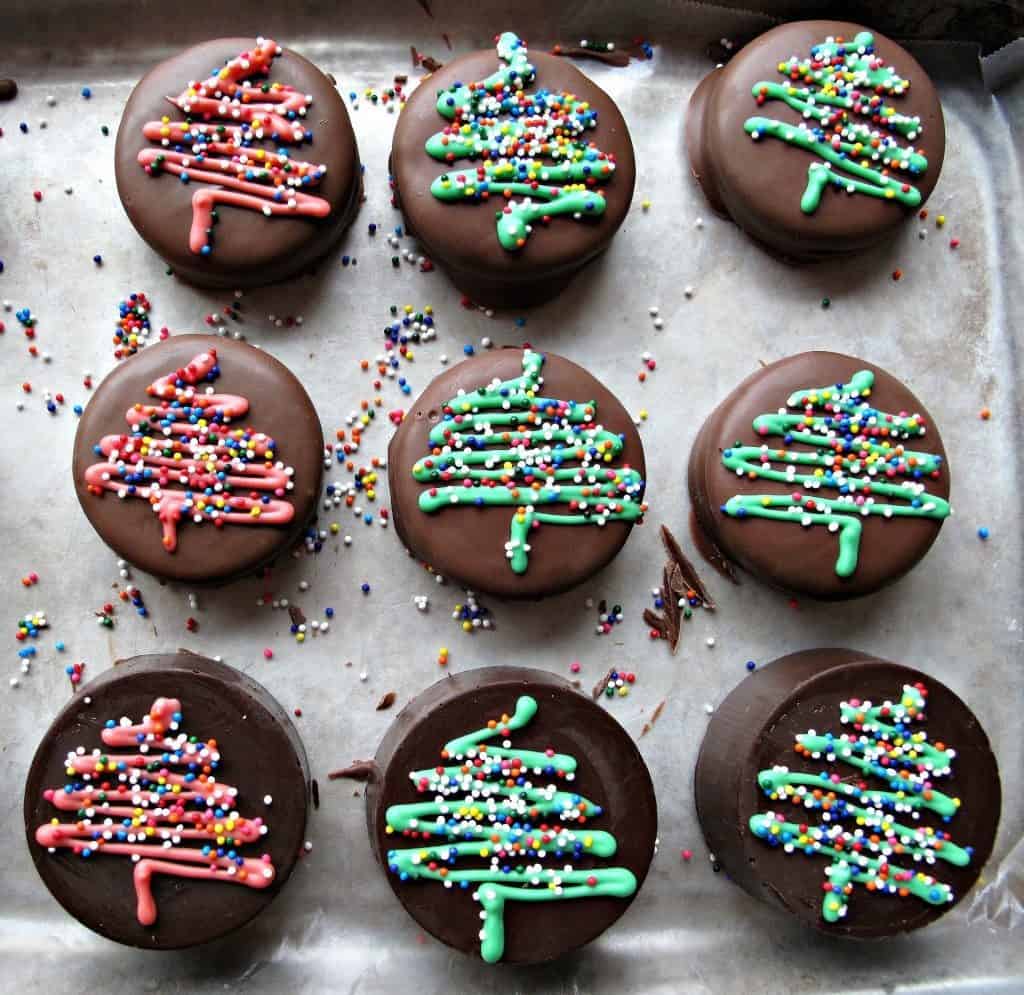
(950, 327)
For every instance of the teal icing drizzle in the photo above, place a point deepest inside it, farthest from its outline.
(504, 445)
(841, 80)
(856, 451)
(489, 805)
(530, 146)
(885, 746)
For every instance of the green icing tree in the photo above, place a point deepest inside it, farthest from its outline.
(863, 830)
(505, 445)
(855, 450)
(838, 84)
(531, 146)
(488, 805)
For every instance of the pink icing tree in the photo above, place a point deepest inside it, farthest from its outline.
(156, 800)
(228, 119)
(185, 457)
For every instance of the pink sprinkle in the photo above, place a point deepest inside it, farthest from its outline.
(268, 653)
(687, 855)
(575, 666)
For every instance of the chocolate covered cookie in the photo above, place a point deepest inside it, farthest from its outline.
(166, 804)
(513, 170)
(818, 138)
(517, 474)
(859, 795)
(199, 459)
(822, 475)
(515, 818)
(237, 163)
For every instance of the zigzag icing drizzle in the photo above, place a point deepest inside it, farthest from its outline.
(186, 459)
(148, 797)
(510, 808)
(856, 450)
(530, 146)
(867, 832)
(841, 80)
(505, 445)
(227, 117)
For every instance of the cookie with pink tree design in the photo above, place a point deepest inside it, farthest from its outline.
(167, 803)
(237, 163)
(200, 459)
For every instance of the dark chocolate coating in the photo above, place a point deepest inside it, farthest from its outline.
(249, 249)
(610, 772)
(759, 185)
(466, 543)
(261, 754)
(278, 406)
(755, 728)
(788, 556)
(461, 237)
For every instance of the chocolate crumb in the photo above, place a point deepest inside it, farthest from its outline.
(648, 726)
(358, 770)
(600, 686)
(386, 702)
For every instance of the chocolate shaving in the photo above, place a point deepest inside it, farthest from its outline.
(314, 789)
(386, 702)
(675, 581)
(687, 570)
(296, 614)
(648, 726)
(672, 631)
(599, 687)
(426, 61)
(617, 57)
(655, 621)
(669, 598)
(358, 770)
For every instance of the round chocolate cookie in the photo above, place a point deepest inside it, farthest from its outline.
(860, 795)
(199, 459)
(237, 163)
(517, 474)
(818, 138)
(513, 170)
(166, 805)
(822, 475)
(515, 818)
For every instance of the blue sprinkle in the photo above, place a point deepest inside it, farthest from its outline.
(983, 532)
(98, 259)
(86, 92)
(365, 588)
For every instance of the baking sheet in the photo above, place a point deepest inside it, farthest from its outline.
(950, 327)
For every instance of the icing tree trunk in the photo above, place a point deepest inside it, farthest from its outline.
(855, 450)
(228, 117)
(867, 831)
(140, 798)
(507, 446)
(184, 457)
(841, 92)
(489, 804)
(530, 146)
